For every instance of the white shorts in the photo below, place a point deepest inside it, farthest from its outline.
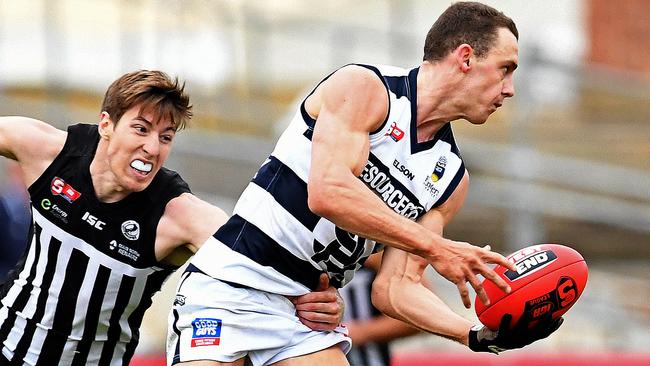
(212, 320)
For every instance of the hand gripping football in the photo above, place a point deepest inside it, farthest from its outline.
(549, 278)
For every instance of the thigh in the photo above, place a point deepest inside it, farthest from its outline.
(332, 356)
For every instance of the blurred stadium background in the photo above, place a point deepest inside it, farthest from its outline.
(565, 161)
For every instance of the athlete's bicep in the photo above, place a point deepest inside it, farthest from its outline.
(353, 103)
(10, 133)
(34, 144)
(22, 137)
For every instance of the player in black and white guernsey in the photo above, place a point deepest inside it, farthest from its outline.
(88, 260)
(369, 160)
(98, 192)
(110, 225)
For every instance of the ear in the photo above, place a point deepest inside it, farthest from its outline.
(106, 125)
(464, 55)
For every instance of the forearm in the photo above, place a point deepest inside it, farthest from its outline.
(347, 202)
(418, 306)
(380, 329)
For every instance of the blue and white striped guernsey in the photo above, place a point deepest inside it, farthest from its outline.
(275, 243)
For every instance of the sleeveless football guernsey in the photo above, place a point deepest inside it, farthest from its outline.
(275, 243)
(79, 294)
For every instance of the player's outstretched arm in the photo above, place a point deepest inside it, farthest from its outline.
(187, 223)
(349, 105)
(380, 328)
(399, 293)
(33, 143)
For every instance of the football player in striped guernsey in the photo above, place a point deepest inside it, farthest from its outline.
(369, 161)
(110, 224)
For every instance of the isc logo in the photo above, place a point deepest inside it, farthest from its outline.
(93, 221)
(531, 263)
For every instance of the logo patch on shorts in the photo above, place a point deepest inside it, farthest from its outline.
(206, 332)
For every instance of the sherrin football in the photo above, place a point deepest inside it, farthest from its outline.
(549, 278)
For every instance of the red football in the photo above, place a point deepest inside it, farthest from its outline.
(549, 278)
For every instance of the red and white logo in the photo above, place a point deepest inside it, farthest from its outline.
(60, 188)
(394, 132)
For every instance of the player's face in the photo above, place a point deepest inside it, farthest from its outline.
(138, 148)
(491, 78)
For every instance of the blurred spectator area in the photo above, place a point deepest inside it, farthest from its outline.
(566, 161)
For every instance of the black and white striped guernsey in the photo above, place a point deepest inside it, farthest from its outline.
(80, 291)
(278, 245)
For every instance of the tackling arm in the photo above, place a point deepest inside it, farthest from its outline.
(187, 223)
(33, 143)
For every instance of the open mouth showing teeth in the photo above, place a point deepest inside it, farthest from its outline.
(141, 166)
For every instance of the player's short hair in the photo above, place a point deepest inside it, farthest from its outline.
(152, 90)
(472, 23)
